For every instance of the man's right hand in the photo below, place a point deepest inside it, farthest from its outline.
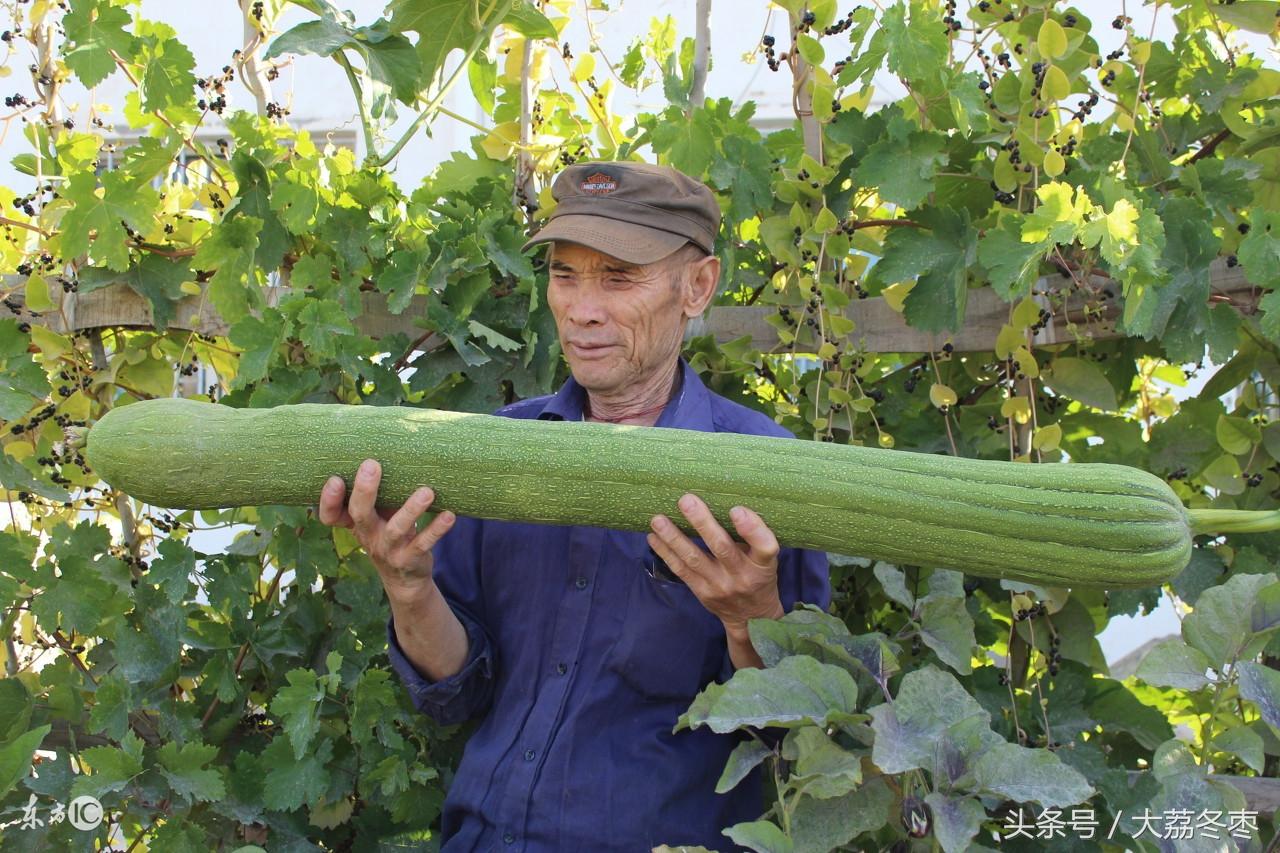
(401, 553)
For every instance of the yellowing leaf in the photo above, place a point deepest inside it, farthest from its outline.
(894, 294)
(37, 294)
(1056, 85)
(1052, 39)
(585, 68)
(1124, 121)
(500, 142)
(1027, 312)
(1026, 362)
(942, 395)
(50, 343)
(1141, 52)
(1017, 408)
(1054, 164)
(826, 220)
(826, 351)
(1047, 437)
(1009, 339)
(190, 288)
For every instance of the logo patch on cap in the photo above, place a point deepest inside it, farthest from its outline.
(599, 183)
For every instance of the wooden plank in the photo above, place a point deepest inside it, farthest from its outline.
(878, 328)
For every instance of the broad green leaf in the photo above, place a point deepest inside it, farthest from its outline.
(810, 49)
(1172, 663)
(909, 729)
(229, 250)
(822, 766)
(1224, 475)
(893, 583)
(1261, 685)
(167, 78)
(15, 757)
(292, 781)
(525, 19)
(762, 836)
(182, 767)
(819, 826)
(94, 28)
(98, 215)
(299, 705)
(1012, 264)
(903, 164)
(442, 26)
(939, 259)
(947, 628)
(1259, 252)
(1237, 435)
(1244, 743)
(1030, 775)
(1081, 380)
(1056, 86)
(797, 691)
(112, 768)
(1255, 16)
(956, 820)
(1220, 625)
(15, 709)
(745, 757)
(915, 50)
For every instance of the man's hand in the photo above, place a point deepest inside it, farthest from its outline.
(736, 581)
(401, 553)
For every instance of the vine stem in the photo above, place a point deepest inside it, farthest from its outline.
(476, 44)
(1233, 520)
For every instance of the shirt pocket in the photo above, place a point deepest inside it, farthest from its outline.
(670, 645)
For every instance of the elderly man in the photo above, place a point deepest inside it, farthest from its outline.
(578, 647)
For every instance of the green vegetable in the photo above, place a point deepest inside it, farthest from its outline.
(1069, 524)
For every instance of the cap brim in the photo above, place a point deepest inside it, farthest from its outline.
(626, 241)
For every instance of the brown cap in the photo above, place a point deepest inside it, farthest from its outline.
(636, 212)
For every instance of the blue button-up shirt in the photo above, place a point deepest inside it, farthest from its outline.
(581, 657)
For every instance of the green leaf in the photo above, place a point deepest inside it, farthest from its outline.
(810, 49)
(1244, 743)
(929, 703)
(947, 628)
(15, 477)
(916, 50)
(159, 281)
(1259, 252)
(744, 170)
(1052, 39)
(181, 766)
(99, 217)
(94, 28)
(819, 826)
(745, 757)
(760, 835)
(15, 757)
(939, 259)
(1012, 265)
(822, 766)
(1081, 380)
(525, 19)
(796, 692)
(113, 768)
(167, 78)
(903, 163)
(291, 781)
(442, 26)
(1030, 775)
(956, 820)
(1261, 686)
(229, 250)
(321, 38)
(15, 709)
(1237, 435)
(894, 584)
(1224, 475)
(1220, 625)
(299, 705)
(1257, 16)
(1172, 663)
(111, 704)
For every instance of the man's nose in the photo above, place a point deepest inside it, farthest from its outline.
(587, 308)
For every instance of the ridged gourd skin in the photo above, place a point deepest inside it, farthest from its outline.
(1073, 524)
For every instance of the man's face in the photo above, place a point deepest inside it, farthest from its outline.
(618, 322)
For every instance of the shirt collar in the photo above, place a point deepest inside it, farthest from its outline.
(691, 408)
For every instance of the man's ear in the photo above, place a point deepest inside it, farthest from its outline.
(704, 276)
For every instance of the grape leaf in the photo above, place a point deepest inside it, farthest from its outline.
(903, 163)
(167, 78)
(939, 259)
(95, 28)
(299, 705)
(101, 217)
(229, 250)
(181, 766)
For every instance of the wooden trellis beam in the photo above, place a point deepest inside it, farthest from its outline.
(878, 328)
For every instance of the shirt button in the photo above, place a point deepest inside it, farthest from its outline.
(508, 838)
(561, 669)
(580, 583)
(529, 755)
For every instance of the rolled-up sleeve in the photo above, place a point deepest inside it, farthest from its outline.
(468, 692)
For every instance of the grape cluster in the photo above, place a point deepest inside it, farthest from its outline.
(578, 153)
(949, 20)
(841, 25)
(217, 86)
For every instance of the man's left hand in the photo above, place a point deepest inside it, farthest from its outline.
(736, 581)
